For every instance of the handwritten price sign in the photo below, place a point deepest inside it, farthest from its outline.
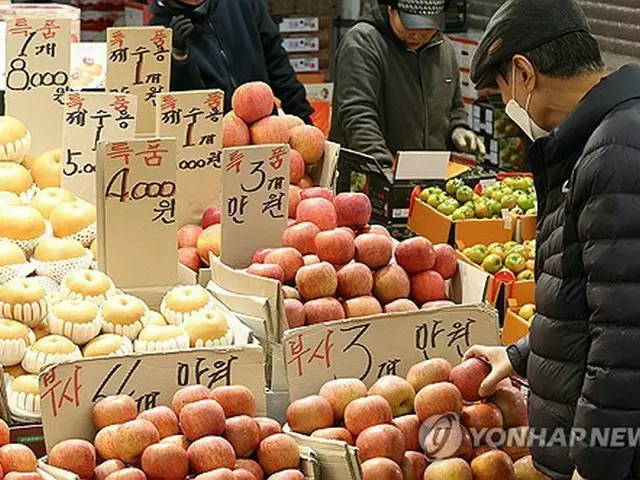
(383, 345)
(194, 119)
(137, 228)
(69, 391)
(255, 187)
(37, 74)
(88, 119)
(138, 62)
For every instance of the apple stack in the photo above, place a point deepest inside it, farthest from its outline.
(334, 265)
(252, 123)
(212, 434)
(394, 424)
(17, 461)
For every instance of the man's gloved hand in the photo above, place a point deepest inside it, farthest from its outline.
(182, 28)
(468, 142)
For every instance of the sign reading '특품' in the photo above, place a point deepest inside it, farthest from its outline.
(36, 76)
(255, 188)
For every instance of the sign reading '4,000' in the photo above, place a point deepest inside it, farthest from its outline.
(137, 229)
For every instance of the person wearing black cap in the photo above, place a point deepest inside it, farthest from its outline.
(582, 355)
(225, 43)
(397, 84)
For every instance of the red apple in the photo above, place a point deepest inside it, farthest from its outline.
(267, 270)
(114, 410)
(105, 469)
(355, 280)
(335, 433)
(437, 399)
(16, 457)
(188, 235)
(391, 283)
(397, 391)
(446, 261)
(76, 456)
(335, 246)
(353, 210)
(524, 469)
(217, 474)
(430, 371)
(468, 376)
(366, 412)
(209, 453)
(512, 405)
(317, 281)
(250, 466)
(341, 392)
(492, 465)
(381, 469)
(243, 433)
(165, 462)
(427, 287)
(301, 236)
(127, 474)
(201, 419)
(5, 435)
(294, 200)
(189, 257)
(415, 255)
(278, 452)
(260, 254)
(177, 440)
(242, 474)
(400, 305)
(105, 442)
(323, 310)
(190, 394)
(319, 211)
(309, 414)
(317, 192)
(362, 307)
(289, 259)
(516, 444)
(132, 438)
(409, 425)
(454, 468)
(235, 400)
(268, 427)
(22, 476)
(289, 474)
(164, 419)
(381, 441)
(294, 313)
(413, 465)
(481, 416)
(211, 216)
(375, 251)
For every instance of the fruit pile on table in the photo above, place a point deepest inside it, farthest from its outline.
(334, 265)
(512, 256)
(459, 202)
(213, 434)
(432, 425)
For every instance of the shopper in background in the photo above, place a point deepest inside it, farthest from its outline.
(397, 84)
(582, 356)
(225, 43)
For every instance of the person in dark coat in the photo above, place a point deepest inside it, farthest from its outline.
(225, 43)
(397, 84)
(582, 355)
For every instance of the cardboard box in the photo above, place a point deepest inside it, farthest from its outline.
(69, 390)
(427, 221)
(527, 228)
(515, 327)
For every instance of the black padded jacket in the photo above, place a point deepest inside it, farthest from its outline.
(582, 356)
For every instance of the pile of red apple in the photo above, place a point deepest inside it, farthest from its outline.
(17, 461)
(386, 422)
(212, 434)
(334, 265)
(252, 123)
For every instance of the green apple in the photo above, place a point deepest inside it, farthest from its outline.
(496, 195)
(434, 200)
(469, 212)
(446, 208)
(482, 210)
(532, 211)
(460, 214)
(529, 182)
(495, 207)
(437, 190)
(507, 190)
(509, 245)
(425, 194)
(517, 210)
(526, 202)
(521, 183)
(467, 252)
(478, 253)
(492, 263)
(464, 194)
(497, 249)
(514, 262)
(527, 311)
(530, 265)
(509, 182)
(518, 250)
(508, 201)
(525, 275)
(453, 185)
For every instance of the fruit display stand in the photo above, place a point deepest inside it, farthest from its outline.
(369, 348)
(515, 327)
(526, 228)
(426, 221)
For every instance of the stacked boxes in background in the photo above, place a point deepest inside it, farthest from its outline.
(308, 41)
(506, 144)
(465, 46)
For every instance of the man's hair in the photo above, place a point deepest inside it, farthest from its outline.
(568, 56)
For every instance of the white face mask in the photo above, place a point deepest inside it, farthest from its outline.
(521, 115)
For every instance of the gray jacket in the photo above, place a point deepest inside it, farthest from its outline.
(388, 98)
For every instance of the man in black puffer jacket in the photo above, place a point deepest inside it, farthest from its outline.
(225, 43)
(582, 356)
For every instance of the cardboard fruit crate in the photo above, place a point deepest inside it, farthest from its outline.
(515, 327)
(426, 221)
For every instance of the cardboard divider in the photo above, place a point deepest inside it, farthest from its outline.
(70, 389)
(426, 221)
(526, 228)
(515, 327)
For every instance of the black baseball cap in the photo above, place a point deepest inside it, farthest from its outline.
(422, 14)
(520, 26)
